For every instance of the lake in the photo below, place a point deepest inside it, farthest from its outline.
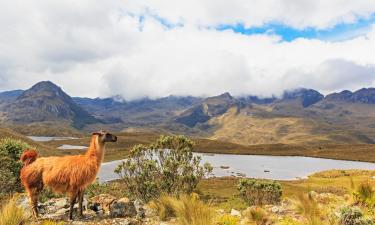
(79, 147)
(46, 138)
(259, 166)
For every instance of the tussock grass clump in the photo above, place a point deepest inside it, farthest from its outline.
(11, 214)
(257, 215)
(365, 195)
(164, 206)
(191, 211)
(188, 209)
(306, 205)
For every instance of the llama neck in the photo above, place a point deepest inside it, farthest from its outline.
(96, 150)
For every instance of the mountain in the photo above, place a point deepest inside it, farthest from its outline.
(364, 95)
(43, 102)
(300, 116)
(307, 97)
(10, 95)
(207, 109)
(137, 113)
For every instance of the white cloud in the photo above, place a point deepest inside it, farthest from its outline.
(99, 48)
(295, 13)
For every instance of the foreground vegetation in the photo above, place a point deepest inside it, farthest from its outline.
(168, 179)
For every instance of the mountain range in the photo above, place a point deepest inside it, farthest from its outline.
(301, 116)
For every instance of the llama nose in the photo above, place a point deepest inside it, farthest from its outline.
(114, 138)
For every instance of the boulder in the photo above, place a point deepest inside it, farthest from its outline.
(122, 207)
(101, 203)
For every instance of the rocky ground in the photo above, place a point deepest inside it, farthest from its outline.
(106, 209)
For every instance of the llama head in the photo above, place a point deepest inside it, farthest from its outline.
(104, 136)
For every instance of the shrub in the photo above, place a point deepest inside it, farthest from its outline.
(166, 166)
(191, 211)
(11, 214)
(260, 192)
(10, 152)
(228, 220)
(353, 216)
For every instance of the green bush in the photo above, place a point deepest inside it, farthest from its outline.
(166, 166)
(353, 216)
(10, 152)
(260, 192)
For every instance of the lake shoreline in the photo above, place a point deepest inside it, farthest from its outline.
(259, 166)
(349, 152)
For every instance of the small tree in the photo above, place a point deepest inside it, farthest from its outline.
(166, 166)
(260, 192)
(10, 166)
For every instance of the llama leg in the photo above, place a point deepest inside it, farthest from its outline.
(80, 200)
(73, 197)
(34, 203)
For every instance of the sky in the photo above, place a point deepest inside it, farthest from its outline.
(157, 48)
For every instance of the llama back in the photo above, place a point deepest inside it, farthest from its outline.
(64, 174)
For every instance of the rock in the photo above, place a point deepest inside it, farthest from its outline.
(60, 203)
(101, 203)
(275, 209)
(234, 212)
(122, 207)
(59, 213)
(139, 208)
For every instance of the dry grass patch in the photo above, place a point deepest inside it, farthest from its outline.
(12, 214)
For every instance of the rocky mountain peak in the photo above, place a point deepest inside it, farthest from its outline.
(45, 101)
(364, 95)
(307, 96)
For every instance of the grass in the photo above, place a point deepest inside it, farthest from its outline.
(306, 205)
(12, 214)
(164, 206)
(188, 209)
(126, 140)
(257, 215)
(228, 220)
(191, 211)
(224, 194)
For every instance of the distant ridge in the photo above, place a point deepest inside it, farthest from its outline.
(300, 116)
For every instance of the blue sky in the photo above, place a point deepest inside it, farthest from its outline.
(339, 32)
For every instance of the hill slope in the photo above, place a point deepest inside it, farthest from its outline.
(46, 102)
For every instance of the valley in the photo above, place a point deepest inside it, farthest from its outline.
(300, 123)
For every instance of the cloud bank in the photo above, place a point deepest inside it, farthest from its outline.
(159, 48)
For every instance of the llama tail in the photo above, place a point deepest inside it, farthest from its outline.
(28, 156)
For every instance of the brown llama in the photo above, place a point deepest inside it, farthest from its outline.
(66, 174)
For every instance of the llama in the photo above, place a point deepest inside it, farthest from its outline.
(66, 174)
